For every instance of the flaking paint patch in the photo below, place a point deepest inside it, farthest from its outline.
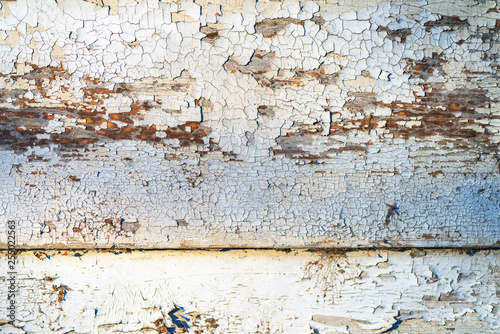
(270, 27)
(269, 124)
(87, 121)
(239, 291)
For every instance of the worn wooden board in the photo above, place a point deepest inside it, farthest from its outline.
(148, 124)
(266, 291)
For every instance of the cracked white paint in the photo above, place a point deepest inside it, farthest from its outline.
(232, 124)
(258, 291)
(256, 124)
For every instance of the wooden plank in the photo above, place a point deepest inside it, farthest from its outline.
(264, 291)
(154, 125)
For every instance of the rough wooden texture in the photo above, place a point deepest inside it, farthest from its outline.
(266, 291)
(180, 124)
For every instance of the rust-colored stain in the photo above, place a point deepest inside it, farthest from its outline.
(189, 133)
(325, 272)
(425, 68)
(438, 112)
(41, 255)
(450, 113)
(160, 325)
(61, 291)
(302, 75)
(391, 210)
(108, 226)
(74, 178)
(296, 145)
(212, 34)
(266, 111)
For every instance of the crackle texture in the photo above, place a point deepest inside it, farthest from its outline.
(263, 291)
(181, 124)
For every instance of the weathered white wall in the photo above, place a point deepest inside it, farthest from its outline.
(233, 124)
(184, 124)
(414, 291)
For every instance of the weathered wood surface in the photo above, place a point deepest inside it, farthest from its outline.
(149, 124)
(265, 291)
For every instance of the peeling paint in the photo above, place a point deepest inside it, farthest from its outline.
(162, 124)
(249, 291)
